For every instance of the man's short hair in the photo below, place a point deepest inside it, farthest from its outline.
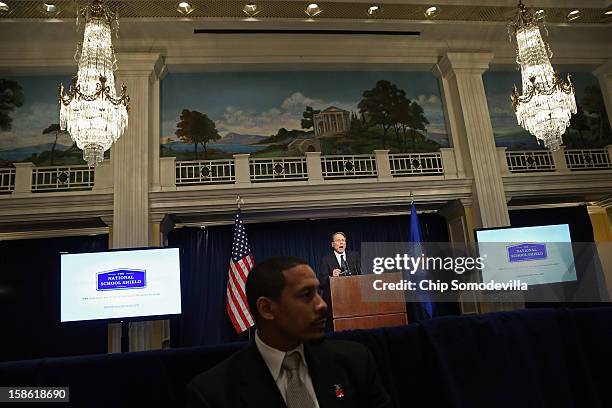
(338, 233)
(266, 279)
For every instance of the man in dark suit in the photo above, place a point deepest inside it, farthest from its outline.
(341, 262)
(290, 364)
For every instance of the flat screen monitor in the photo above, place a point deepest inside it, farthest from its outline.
(534, 255)
(120, 284)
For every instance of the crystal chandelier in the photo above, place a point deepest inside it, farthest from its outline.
(91, 111)
(547, 103)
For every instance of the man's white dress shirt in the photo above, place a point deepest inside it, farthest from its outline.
(274, 360)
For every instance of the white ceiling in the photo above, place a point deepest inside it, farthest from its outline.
(30, 45)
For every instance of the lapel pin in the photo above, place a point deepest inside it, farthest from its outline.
(339, 391)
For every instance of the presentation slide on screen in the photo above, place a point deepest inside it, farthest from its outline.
(533, 255)
(120, 284)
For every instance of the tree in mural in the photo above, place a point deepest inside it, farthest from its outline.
(579, 123)
(197, 128)
(53, 128)
(409, 119)
(11, 97)
(379, 104)
(417, 121)
(593, 102)
(357, 124)
(308, 117)
(400, 115)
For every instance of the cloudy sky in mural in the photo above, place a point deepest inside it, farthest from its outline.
(40, 109)
(260, 103)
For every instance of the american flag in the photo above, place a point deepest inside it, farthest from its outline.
(240, 265)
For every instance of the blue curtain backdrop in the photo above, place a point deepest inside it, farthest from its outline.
(30, 300)
(205, 259)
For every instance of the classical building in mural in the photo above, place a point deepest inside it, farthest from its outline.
(332, 121)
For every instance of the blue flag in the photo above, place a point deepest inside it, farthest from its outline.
(416, 237)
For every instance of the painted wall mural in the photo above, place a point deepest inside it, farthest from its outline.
(29, 123)
(269, 114)
(589, 127)
(272, 114)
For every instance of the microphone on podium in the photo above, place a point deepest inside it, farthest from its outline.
(345, 270)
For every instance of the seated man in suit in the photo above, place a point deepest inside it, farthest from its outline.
(290, 364)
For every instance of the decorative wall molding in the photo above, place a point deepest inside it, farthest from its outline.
(34, 207)
(46, 233)
(592, 184)
(300, 196)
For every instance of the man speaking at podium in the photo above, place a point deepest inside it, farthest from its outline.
(339, 263)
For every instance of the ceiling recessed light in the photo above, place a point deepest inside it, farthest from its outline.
(313, 9)
(49, 9)
(251, 9)
(184, 8)
(4, 8)
(432, 11)
(373, 10)
(573, 15)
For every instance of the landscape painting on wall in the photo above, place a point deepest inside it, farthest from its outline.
(29, 123)
(273, 114)
(589, 127)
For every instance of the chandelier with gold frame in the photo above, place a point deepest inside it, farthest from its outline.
(91, 111)
(547, 103)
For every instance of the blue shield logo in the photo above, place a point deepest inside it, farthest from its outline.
(120, 279)
(526, 252)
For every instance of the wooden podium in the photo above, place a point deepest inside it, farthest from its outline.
(351, 312)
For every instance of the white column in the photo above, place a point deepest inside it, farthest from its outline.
(383, 166)
(23, 178)
(451, 123)
(167, 173)
(470, 124)
(132, 168)
(503, 161)
(313, 164)
(449, 162)
(604, 75)
(559, 160)
(154, 122)
(103, 177)
(242, 170)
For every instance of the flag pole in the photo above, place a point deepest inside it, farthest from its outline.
(239, 202)
(240, 264)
